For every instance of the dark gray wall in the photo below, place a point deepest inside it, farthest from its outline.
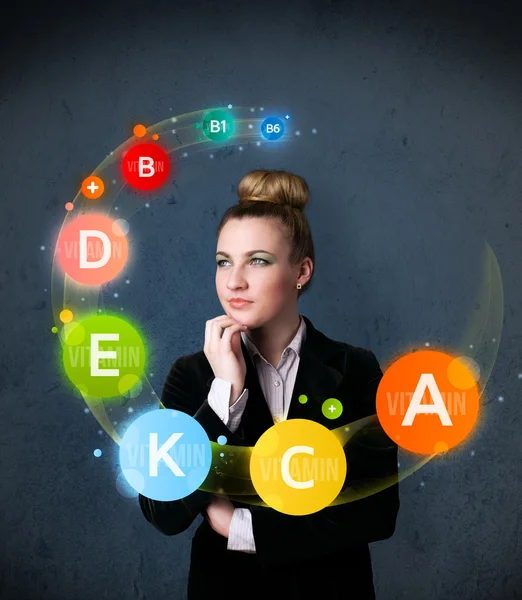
(416, 164)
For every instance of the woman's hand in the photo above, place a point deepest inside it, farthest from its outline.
(224, 353)
(220, 512)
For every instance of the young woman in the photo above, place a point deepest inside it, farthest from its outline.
(257, 359)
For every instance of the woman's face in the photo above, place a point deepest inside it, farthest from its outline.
(264, 277)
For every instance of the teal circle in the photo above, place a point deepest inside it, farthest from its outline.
(218, 125)
(332, 408)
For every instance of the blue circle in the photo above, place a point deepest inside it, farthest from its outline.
(165, 455)
(97, 453)
(272, 128)
(222, 440)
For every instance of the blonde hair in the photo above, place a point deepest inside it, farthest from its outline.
(280, 196)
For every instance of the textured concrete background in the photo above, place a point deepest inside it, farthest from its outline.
(415, 165)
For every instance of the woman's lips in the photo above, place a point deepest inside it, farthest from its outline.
(239, 304)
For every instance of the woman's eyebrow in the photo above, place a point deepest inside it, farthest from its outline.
(246, 253)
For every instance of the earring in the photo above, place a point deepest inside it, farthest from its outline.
(298, 286)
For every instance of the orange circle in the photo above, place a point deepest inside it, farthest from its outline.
(425, 378)
(155, 136)
(92, 187)
(69, 206)
(139, 130)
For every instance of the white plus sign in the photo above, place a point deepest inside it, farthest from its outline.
(331, 408)
(92, 187)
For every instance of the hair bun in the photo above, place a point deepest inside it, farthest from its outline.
(279, 187)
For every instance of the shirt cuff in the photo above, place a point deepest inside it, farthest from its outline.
(241, 533)
(219, 398)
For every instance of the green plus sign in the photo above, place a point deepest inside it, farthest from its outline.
(332, 408)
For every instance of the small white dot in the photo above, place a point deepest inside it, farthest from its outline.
(45, 289)
(471, 345)
(174, 120)
(298, 132)
(127, 281)
(398, 464)
(147, 204)
(114, 181)
(115, 422)
(173, 131)
(42, 247)
(85, 410)
(427, 344)
(151, 374)
(100, 431)
(83, 299)
(501, 398)
(261, 109)
(130, 409)
(230, 106)
(252, 109)
(258, 143)
(211, 156)
(472, 453)
(494, 340)
(115, 208)
(314, 130)
(121, 308)
(115, 294)
(241, 148)
(185, 154)
(519, 375)
(99, 310)
(111, 151)
(422, 483)
(250, 126)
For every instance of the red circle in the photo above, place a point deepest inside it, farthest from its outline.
(145, 166)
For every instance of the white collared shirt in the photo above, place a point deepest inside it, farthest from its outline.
(277, 384)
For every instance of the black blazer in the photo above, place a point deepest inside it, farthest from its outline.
(324, 554)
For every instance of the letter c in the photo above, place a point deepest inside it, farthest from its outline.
(285, 471)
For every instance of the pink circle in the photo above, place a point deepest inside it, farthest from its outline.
(90, 252)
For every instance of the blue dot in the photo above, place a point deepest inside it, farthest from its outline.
(97, 453)
(221, 454)
(222, 440)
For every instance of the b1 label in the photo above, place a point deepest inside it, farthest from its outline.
(218, 125)
(272, 128)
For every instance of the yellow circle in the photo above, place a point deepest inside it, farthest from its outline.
(298, 467)
(66, 316)
(440, 447)
(461, 373)
(127, 382)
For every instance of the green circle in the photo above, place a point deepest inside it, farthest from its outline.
(218, 125)
(54, 329)
(73, 333)
(107, 376)
(332, 408)
(303, 399)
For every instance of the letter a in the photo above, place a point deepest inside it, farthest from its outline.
(438, 407)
